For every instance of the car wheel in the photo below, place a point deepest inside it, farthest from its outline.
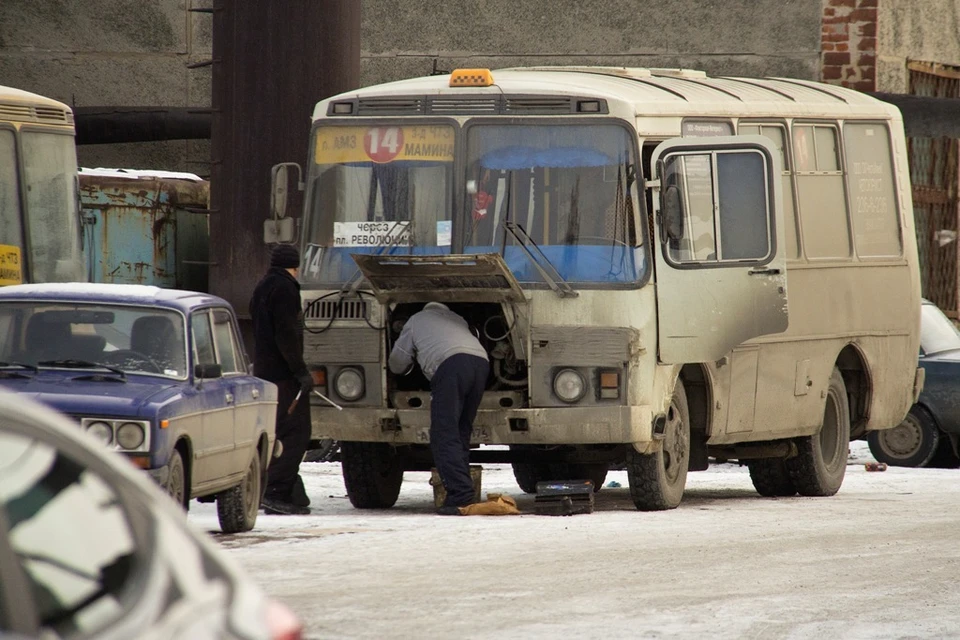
(770, 477)
(912, 443)
(821, 461)
(237, 506)
(326, 450)
(177, 479)
(657, 479)
(945, 457)
(372, 474)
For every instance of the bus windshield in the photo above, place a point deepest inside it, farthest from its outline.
(390, 189)
(375, 189)
(570, 187)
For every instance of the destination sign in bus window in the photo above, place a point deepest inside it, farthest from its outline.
(340, 145)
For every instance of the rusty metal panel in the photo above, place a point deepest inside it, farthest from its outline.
(934, 175)
(272, 62)
(138, 229)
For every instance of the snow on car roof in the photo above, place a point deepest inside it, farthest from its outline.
(89, 291)
(139, 173)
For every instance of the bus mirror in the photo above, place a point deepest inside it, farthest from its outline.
(279, 230)
(280, 185)
(672, 214)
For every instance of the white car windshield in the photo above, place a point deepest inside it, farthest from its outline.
(133, 339)
(937, 332)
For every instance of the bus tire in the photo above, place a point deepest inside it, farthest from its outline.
(912, 443)
(770, 478)
(528, 474)
(372, 474)
(821, 461)
(657, 479)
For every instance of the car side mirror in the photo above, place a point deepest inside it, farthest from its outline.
(207, 371)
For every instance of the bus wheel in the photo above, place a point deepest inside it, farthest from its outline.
(821, 460)
(372, 474)
(912, 443)
(657, 479)
(771, 478)
(529, 474)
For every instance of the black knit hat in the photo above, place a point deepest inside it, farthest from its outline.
(285, 256)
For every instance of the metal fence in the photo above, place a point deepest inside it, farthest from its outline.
(934, 175)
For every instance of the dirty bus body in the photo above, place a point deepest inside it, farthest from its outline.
(39, 215)
(664, 267)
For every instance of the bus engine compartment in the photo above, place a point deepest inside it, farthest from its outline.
(501, 330)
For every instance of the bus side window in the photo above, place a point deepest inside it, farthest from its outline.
(725, 213)
(822, 201)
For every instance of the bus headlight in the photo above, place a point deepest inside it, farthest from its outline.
(130, 435)
(569, 385)
(349, 384)
(102, 431)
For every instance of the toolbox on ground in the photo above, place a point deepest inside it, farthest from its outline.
(564, 498)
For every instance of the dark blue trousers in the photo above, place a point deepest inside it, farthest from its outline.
(455, 393)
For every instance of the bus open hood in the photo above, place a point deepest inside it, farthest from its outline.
(442, 278)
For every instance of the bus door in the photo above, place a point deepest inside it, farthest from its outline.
(720, 264)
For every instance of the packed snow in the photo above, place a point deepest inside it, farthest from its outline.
(878, 560)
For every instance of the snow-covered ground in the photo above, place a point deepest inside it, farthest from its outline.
(878, 560)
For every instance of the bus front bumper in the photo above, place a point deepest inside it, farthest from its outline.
(551, 425)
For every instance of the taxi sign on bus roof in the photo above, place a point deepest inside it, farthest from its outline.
(471, 78)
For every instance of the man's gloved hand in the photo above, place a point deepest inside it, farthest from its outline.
(306, 382)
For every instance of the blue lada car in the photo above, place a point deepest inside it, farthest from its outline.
(159, 375)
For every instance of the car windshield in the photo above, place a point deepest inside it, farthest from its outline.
(143, 340)
(937, 332)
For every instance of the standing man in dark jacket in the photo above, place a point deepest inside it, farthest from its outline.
(457, 366)
(277, 315)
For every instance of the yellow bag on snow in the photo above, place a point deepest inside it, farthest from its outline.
(497, 504)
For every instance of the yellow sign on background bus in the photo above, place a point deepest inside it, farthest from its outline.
(384, 144)
(10, 270)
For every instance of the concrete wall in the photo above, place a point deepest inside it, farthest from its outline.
(925, 30)
(135, 52)
(112, 52)
(402, 38)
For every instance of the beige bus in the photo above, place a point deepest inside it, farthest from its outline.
(667, 270)
(39, 214)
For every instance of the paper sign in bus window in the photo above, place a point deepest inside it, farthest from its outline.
(371, 234)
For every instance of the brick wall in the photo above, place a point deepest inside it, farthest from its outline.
(848, 43)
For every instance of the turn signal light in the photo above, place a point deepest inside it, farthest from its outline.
(319, 375)
(610, 384)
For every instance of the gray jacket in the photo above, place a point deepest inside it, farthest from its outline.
(431, 336)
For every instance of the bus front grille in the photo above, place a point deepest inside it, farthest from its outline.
(342, 310)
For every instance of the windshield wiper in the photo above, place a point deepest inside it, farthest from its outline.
(71, 363)
(554, 279)
(21, 365)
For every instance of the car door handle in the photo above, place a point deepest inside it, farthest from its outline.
(229, 398)
(764, 272)
(255, 393)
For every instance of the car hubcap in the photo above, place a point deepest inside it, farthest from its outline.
(903, 440)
